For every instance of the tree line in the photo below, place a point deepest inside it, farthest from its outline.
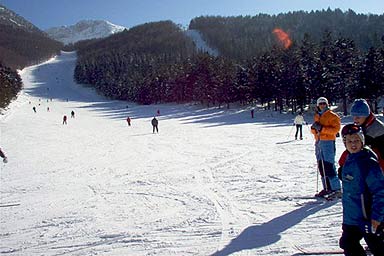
(20, 48)
(10, 85)
(244, 36)
(157, 63)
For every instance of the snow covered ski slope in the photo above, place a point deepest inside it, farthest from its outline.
(211, 182)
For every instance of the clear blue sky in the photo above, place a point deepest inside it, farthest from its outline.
(52, 13)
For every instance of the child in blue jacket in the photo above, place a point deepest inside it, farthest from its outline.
(363, 196)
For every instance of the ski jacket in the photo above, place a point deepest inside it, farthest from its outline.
(154, 122)
(373, 130)
(299, 120)
(363, 189)
(330, 123)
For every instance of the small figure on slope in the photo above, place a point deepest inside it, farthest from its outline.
(298, 122)
(2, 155)
(155, 124)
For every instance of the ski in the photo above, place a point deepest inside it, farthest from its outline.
(9, 204)
(317, 198)
(320, 252)
(285, 142)
(312, 252)
(332, 252)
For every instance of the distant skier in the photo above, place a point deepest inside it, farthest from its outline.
(129, 121)
(64, 119)
(158, 112)
(5, 159)
(298, 122)
(72, 114)
(34, 109)
(155, 124)
(252, 113)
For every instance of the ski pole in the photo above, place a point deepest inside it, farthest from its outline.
(290, 132)
(317, 181)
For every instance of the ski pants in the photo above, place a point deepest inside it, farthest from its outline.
(325, 154)
(299, 127)
(350, 242)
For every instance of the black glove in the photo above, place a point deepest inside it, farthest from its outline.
(380, 230)
(340, 173)
(317, 126)
(293, 124)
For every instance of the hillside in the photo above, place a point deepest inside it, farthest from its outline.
(21, 44)
(243, 37)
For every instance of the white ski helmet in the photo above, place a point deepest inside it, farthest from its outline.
(321, 100)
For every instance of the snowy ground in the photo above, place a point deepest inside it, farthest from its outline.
(211, 182)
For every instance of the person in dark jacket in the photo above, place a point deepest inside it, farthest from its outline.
(372, 127)
(363, 196)
(2, 155)
(155, 124)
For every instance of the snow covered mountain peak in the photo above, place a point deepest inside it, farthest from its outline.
(83, 30)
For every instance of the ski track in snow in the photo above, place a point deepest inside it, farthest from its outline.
(212, 182)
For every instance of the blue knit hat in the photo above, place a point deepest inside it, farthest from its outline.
(360, 107)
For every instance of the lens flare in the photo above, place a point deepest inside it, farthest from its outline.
(282, 37)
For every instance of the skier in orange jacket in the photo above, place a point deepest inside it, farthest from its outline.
(325, 127)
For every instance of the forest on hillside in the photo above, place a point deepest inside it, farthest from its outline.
(20, 48)
(10, 85)
(335, 54)
(242, 37)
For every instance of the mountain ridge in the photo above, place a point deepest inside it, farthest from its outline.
(84, 30)
(12, 19)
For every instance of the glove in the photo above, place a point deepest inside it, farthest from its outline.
(380, 230)
(5, 160)
(317, 126)
(293, 124)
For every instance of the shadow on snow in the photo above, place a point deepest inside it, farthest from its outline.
(265, 234)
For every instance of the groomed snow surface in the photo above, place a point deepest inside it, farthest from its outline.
(211, 182)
